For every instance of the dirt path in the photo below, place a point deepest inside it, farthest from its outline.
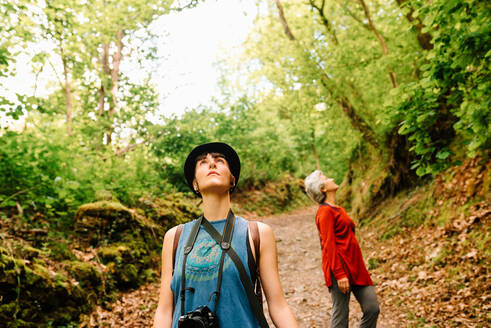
(301, 273)
(301, 277)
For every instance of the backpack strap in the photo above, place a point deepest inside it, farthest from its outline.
(256, 239)
(176, 242)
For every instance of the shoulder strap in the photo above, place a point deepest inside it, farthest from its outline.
(256, 239)
(176, 243)
(187, 250)
(226, 243)
(244, 277)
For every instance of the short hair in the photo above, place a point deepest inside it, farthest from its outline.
(313, 186)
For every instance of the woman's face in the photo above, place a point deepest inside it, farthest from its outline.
(328, 184)
(212, 174)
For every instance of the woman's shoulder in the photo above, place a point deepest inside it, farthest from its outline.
(326, 210)
(172, 231)
(329, 207)
(324, 207)
(260, 225)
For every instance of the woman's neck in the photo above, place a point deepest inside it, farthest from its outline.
(330, 198)
(216, 206)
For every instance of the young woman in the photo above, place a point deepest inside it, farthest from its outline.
(212, 171)
(342, 262)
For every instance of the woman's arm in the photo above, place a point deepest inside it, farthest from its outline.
(279, 310)
(165, 308)
(328, 242)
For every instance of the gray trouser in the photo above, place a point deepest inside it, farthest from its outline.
(365, 295)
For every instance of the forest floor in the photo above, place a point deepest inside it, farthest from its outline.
(427, 251)
(301, 277)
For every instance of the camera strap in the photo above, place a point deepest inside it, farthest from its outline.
(224, 241)
(187, 249)
(226, 245)
(256, 306)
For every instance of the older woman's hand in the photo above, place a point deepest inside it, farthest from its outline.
(343, 285)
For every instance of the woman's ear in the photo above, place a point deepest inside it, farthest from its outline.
(195, 185)
(232, 180)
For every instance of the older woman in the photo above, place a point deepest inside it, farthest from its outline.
(342, 262)
(214, 256)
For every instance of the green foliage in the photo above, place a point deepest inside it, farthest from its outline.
(331, 58)
(279, 196)
(51, 174)
(265, 149)
(453, 97)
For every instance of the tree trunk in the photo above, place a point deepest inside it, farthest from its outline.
(105, 70)
(396, 145)
(113, 74)
(399, 164)
(286, 28)
(115, 71)
(68, 93)
(424, 39)
(314, 150)
(357, 122)
(106, 73)
(392, 74)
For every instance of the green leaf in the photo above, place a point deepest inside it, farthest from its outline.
(421, 171)
(442, 154)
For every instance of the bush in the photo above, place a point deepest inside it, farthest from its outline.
(453, 96)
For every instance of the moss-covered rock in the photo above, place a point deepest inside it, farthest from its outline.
(170, 210)
(86, 274)
(33, 295)
(106, 222)
(113, 248)
(127, 264)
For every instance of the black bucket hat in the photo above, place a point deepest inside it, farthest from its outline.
(212, 147)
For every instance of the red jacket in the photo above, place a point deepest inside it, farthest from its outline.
(341, 253)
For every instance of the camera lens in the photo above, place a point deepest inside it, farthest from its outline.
(192, 323)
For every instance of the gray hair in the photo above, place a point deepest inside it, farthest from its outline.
(313, 186)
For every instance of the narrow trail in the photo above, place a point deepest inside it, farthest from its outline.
(299, 258)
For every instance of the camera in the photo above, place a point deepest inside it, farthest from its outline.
(201, 317)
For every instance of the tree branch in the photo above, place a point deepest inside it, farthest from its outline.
(191, 4)
(105, 71)
(357, 122)
(117, 57)
(392, 74)
(314, 149)
(358, 19)
(327, 24)
(424, 39)
(286, 28)
(15, 194)
(68, 94)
